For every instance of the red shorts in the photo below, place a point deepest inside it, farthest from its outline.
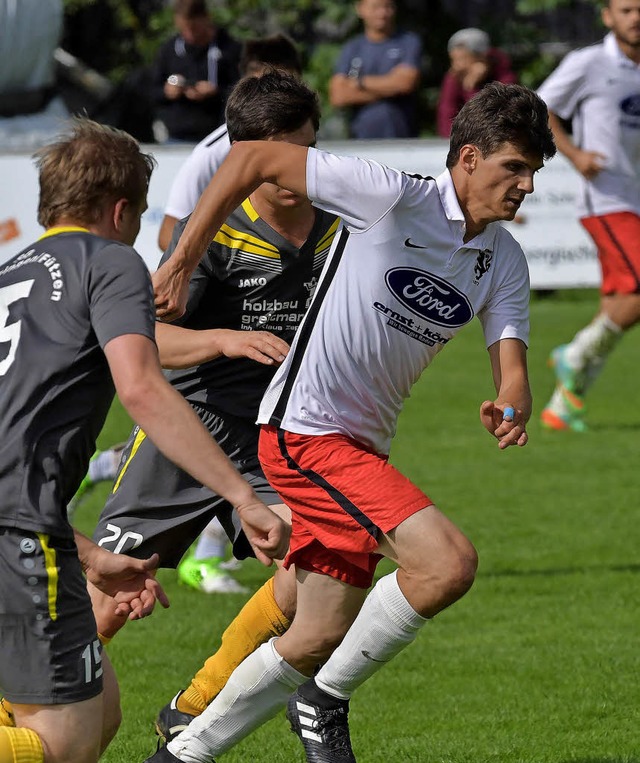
(617, 237)
(342, 497)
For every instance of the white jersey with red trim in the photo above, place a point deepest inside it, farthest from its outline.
(598, 89)
(399, 283)
(196, 172)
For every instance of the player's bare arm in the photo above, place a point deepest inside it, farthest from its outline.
(249, 164)
(166, 231)
(506, 417)
(182, 348)
(170, 422)
(587, 163)
(129, 581)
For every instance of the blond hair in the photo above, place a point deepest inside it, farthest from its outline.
(88, 168)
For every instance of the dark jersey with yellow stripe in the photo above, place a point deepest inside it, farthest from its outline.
(61, 301)
(250, 278)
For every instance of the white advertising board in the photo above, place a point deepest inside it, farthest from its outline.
(559, 251)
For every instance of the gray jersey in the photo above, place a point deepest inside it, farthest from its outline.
(61, 301)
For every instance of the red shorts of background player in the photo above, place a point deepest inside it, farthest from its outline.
(617, 237)
(342, 497)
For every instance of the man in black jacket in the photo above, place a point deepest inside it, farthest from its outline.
(193, 73)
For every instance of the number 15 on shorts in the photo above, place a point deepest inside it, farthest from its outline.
(92, 658)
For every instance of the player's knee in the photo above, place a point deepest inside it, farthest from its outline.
(71, 750)
(306, 649)
(437, 583)
(460, 570)
(324, 645)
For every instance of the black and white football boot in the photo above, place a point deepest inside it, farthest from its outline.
(171, 721)
(322, 723)
(163, 756)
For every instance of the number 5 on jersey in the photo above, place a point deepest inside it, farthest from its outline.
(11, 333)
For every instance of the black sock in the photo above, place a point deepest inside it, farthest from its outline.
(311, 692)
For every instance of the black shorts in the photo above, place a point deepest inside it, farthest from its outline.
(49, 648)
(156, 507)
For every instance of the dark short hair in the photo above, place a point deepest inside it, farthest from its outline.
(277, 51)
(89, 167)
(190, 9)
(501, 114)
(277, 102)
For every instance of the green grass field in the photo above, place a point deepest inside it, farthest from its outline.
(539, 662)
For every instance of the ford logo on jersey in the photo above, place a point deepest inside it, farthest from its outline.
(631, 106)
(429, 296)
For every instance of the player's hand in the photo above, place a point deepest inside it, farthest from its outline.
(171, 290)
(262, 346)
(267, 533)
(505, 423)
(589, 163)
(130, 582)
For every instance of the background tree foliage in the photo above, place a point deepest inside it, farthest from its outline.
(118, 37)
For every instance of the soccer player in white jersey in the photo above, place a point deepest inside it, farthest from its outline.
(598, 89)
(416, 260)
(258, 55)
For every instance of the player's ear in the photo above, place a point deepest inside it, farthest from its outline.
(468, 158)
(119, 209)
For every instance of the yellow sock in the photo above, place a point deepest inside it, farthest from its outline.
(259, 620)
(6, 713)
(20, 746)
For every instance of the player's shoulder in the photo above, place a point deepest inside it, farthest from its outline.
(216, 140)
(117, 257)
(205, 158)
(423, 186)
(586, 56)
(77, 246)
(506, 245)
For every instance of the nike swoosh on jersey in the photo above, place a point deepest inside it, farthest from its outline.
(414, 246)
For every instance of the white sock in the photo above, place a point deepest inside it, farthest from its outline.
(558, 403)
(104, 466)
(593, 343)
(212, 542)
(385, 625)
(256, 690)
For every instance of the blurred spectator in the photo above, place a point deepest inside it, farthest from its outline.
(378, 74)
(473, 63)
(276, 51)
(193, 73)
(30, 112)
